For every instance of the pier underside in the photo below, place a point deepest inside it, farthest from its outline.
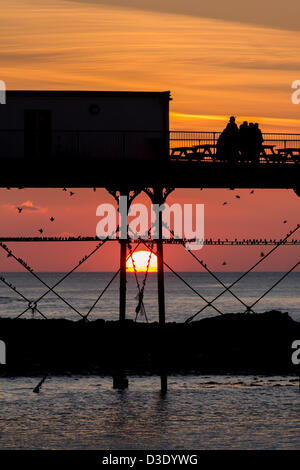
(139, 174)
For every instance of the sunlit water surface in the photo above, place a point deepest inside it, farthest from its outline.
(198, 412)
(82, 289)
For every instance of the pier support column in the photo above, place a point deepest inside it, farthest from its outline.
(123, 280)
(160, 261)
(161, 278)
(123, 254)
(159, 199)
(120, 380)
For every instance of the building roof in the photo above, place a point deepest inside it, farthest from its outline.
(74, 93)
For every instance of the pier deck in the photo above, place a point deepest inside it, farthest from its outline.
(278, 165)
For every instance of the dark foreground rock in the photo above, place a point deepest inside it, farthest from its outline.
(232, 343)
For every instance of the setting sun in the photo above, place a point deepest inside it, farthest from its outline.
(141, 260)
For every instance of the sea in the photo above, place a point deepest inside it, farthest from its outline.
(80, 291)
(198, 412)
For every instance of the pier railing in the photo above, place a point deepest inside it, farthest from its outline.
(135, 144)
(191, 138)
(183, 145)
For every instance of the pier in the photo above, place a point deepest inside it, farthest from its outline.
(127, 160)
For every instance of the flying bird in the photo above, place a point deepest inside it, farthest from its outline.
(224, 263)
(52, 219)
(238, 197)
(20, 209)
(252, 192)
(71, 193)
(224, 203)
(262, 254)
(285, 221)
(41, 230)
(64, 189)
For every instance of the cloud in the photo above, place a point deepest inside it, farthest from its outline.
(288, 65)
(13, 56)
(270, 13)
(255, 63)
(27, 206)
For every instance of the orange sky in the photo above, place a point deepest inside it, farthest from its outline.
(213, 67)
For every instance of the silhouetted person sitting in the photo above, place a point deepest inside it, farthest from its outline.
(227, 146)
(258, 139)
(233, 125)
(253, 147)
(243, 141)
(250, 142)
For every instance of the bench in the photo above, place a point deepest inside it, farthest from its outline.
(269, 154)
(205, 150)
(290, 153)
(197, 152)
(182, 152)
